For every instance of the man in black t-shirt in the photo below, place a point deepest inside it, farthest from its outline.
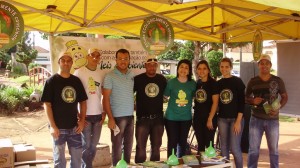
(149, 88)
(61, 96)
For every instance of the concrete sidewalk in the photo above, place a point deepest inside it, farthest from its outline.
(289, 145)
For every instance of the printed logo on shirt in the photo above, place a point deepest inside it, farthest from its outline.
(201, 95)
(181, 102)
(151, 90)
(226, 96)
(273, 89)
(68, 94)
(91, 86)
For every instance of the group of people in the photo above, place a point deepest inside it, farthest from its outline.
(76, 113)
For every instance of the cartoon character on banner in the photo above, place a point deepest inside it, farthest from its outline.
(78, 53)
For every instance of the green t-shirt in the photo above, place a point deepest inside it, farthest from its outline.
(180, 101)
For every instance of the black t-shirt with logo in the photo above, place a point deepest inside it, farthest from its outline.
(231, 97)
(149, 94)
(64, 95)
(203, 97)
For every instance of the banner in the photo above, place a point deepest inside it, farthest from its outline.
(157, 35)
(78, 47)
(11, 25)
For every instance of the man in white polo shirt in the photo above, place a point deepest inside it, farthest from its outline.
(118, 103)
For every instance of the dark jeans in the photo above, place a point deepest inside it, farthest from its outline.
(124, 140)
(202, 133)
(177, 132)
(144, 128)
(90, 138)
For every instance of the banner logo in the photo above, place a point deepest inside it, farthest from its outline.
(157, 35)
(11, 25)
(257, 45)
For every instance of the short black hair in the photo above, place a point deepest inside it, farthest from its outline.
(188, 62)
(122, 50)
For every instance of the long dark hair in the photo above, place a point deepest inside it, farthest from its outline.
(207, 66)
(186, 61)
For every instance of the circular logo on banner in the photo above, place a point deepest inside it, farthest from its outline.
(11, 25)
(257, 45)
(157, 35)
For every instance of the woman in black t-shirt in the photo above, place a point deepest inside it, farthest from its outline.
(206, 102)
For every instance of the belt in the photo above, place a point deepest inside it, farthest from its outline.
(151, 116)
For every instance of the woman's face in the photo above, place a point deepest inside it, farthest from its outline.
(202, 71)
(183, 70)
(225, 69)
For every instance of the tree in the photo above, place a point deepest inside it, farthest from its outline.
(4, 58)
(214, 58)
(25, 52)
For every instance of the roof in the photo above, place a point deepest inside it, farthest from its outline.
(40, 49)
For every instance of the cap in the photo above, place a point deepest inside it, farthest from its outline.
(150, 59)
(67, 54)
(92, 50)
(264, 57)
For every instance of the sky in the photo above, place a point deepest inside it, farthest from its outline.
(36, 36)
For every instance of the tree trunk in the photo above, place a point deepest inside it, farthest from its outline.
(197, 45)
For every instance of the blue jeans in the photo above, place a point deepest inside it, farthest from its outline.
(90, 138)
(177, 132)
(256, 129)
(124, 140)
(145, 128)
(74, 143)
(231, 141)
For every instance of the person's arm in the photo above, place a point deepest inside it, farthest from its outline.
(82, 112)
(213, 110)
(103, 112)
(54, 131)
(107, 108)
(237, 124)
(283, 101)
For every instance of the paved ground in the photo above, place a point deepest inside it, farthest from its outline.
(31, 127)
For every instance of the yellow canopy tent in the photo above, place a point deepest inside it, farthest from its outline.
(201, 20)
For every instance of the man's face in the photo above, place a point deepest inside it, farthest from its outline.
(264, 66)
(65, 63)
(94, 58)
(122, 61)
(151, 68)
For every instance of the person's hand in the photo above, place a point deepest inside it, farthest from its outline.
(236, 128)
(86, 123)
(80, 126)
(257, 100)
(209, 124)
(111, 124)
(54, 131)
(273, 113)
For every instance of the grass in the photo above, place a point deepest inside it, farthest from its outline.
(287, 119)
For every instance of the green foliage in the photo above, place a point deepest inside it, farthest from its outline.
(18, 70)
(168, 77)
(4, 57)
(114, 37)
(169, 55)
(33, 65)
(214, 58)
(25, 52)
(13, 99)
(187, 51)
